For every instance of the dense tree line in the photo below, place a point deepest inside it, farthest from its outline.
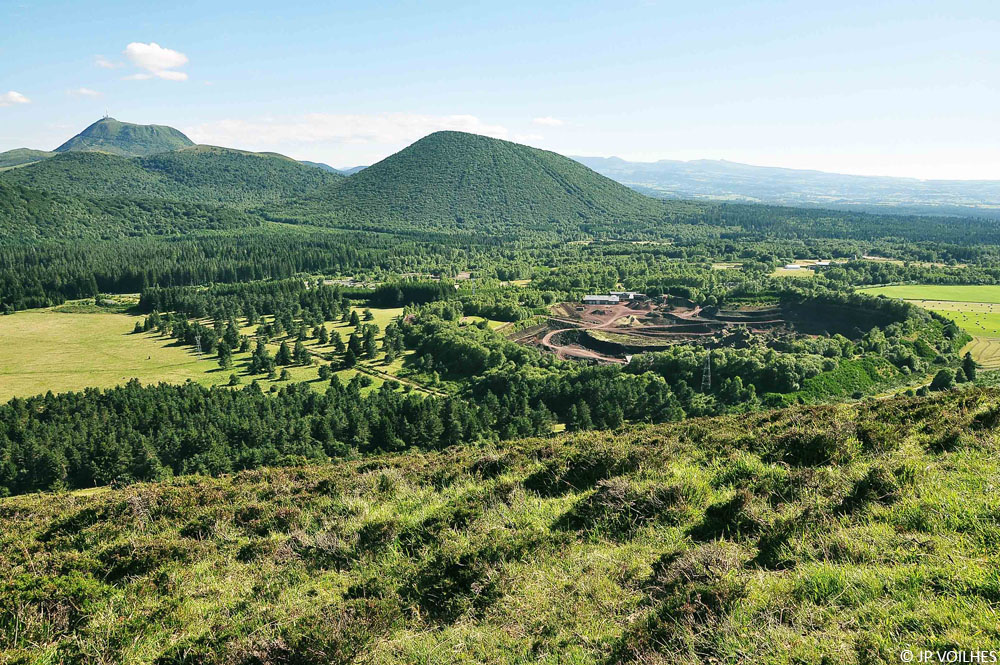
(146, 433)
(250, 299)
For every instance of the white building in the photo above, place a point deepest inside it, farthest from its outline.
(600, 300)
(793, 266)
(626, 295)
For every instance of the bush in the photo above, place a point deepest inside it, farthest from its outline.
(943, 380)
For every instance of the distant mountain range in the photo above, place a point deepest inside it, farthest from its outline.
(445, 182)
(731, 181)
(100, 185)
(168, 164)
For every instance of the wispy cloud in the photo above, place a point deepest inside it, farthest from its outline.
(381, 128)
(526, 138)
(83, 92)
(155, 61)
(12, 97)
(548, 121)
(104, 63)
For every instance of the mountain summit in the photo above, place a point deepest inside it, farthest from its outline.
(457, 181)
(123, 138)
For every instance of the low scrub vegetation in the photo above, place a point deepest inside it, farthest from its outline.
(837, 534)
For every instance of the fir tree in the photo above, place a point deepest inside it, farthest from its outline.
(284, 355)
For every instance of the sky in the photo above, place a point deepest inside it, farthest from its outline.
(875, 88)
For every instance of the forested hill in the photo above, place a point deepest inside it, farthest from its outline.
(19, 156)
(459, 181)
(124, 138)
(28, 215)
(198, 174)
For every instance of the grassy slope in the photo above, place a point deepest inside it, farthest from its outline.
(458, 181)
(824, 534)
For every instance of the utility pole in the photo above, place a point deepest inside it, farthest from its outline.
(706, 374)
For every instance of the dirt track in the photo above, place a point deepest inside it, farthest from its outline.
(682, 324)
(594, 321)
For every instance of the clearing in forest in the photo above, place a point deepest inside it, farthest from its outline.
(46, 350)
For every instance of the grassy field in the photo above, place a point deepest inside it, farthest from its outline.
(836, 534)
(938, 292)
(976, 309)
(800, 272)
(46, 350)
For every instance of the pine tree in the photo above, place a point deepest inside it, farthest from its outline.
(284, 356)
(225, 356)
(355, 321)
(354, 345)
(371, 348)
(302, 355)
(583, 420)
(323, 336)
(337, 341)
(232, 335)
(350, 359)
(969, 367)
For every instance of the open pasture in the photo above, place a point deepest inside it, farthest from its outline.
(45, 350)
(976, 309)
(939, 292)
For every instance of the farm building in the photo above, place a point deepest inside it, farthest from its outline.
(626, 295)
(821, 264)
(600, 300)
(793, 266)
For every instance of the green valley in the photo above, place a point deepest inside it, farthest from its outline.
(478, 403)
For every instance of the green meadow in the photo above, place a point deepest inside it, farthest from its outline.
(53, 350)
(976, 309)
(949, 292)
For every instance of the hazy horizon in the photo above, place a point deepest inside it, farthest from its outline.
(898, 89)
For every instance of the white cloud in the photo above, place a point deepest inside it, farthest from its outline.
(390, 129)
(548, 121)
(527, 138)
(104, 63)
(156, 61)
(83, 92)
(10, 98)
(172, 76)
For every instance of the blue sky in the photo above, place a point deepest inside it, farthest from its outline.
(890, 88)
